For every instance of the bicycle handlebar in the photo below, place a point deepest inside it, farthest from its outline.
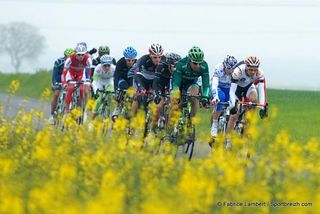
(251, 104)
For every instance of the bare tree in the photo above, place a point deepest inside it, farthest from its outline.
(21, 41)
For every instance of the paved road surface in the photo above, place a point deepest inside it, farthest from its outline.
(13, 104)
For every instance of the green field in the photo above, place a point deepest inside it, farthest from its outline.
(297, 111)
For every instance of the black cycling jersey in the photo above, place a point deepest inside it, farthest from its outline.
(162, 78)
(145, 67)
(121, 72)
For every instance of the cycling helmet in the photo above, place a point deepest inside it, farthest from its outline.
(68, 52)
(172, 58)
(196, 54)
(229, 61)
(252, 61)
(106, 59)
(103, 50)
(130, 53)
(81, 49)
(83, 43)
(156, 50)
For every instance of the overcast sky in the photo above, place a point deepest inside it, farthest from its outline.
(284, 34)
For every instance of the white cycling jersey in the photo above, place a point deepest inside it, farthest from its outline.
(219, 79)
(243, 80)
(103, 78)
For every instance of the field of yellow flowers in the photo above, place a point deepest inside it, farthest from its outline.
(81, 170)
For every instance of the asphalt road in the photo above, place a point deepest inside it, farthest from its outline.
(12, 104)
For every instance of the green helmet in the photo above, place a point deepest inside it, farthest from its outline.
(68, 52)
(103, 50)
(196, 54)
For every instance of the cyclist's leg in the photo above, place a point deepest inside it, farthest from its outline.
(216, 114)
(252, 94)
(56, 92)
(139, 84)
(162, 86)
(194, 90)
(69, 96)
(240, 92)
(97, 104)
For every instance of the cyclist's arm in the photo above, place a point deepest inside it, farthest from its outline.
(232, 93)
(156, 80)
(96, 74)
(116, 76)
(262, 88)
(88, 68)
(214, 86)
(177, 77)
(205, 83)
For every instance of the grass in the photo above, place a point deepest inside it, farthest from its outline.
(31, 85)
(296, 110)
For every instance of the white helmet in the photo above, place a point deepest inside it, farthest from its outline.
(81, 49)
(106, 59)
(156, 50)
(252, 61)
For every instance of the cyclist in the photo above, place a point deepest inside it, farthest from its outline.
(102, 50)
(76, 67)
(56, 85)
(162, 80)
(243, 78)
(220, 88)
(186, 75)
(103, 77)
(143, 72)
(121, 80)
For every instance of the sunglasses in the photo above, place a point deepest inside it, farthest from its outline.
(196, 63)
(106, 65)
(80, 54)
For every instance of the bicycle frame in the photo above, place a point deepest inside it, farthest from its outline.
(243, 107)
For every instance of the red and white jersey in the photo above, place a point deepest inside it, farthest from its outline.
(243, 79)
(74, 65)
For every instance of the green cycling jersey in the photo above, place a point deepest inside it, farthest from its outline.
(184, 75)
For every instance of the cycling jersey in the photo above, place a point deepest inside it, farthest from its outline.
(242, 84)
(145, 67)
(102, 78)
(75, 68)
(184, 75)
(219, 79)
(121, 73)
(57, 70)
(162, 78)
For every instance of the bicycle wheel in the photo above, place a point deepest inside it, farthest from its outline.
(61, 106)
(190, 141)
